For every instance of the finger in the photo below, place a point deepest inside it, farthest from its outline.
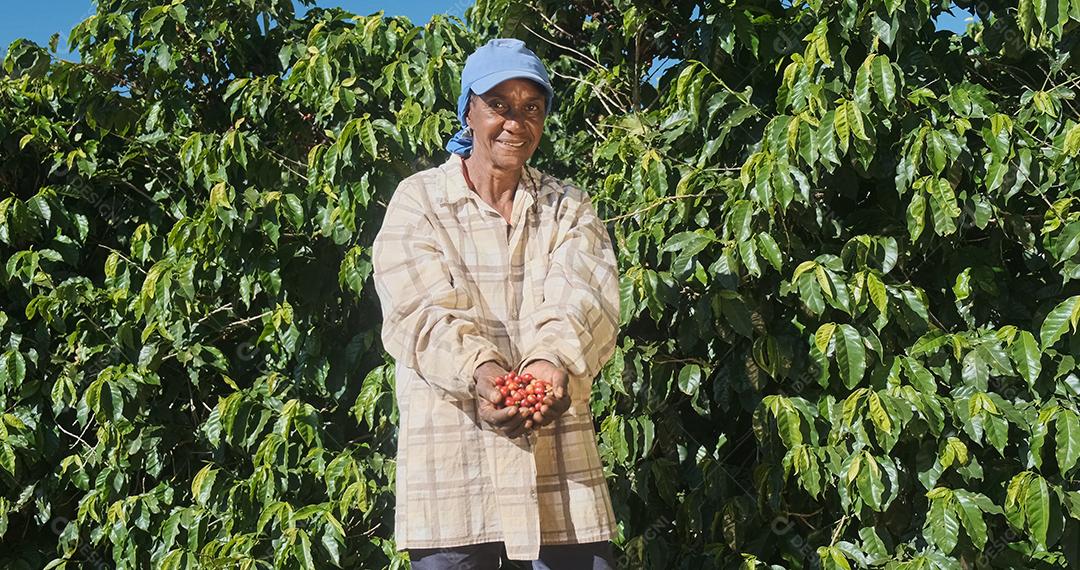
(488, 391)
(482, 393)
(517, 420)
(490, 414)
(485, 408)
(506, 417)
(546, 417)
(556, 409)
(515, 432)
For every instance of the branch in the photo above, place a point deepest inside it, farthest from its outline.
(596, 89)
(660, 201)
(81, 440)
(586, 59)
(839, 529)
(122, 256)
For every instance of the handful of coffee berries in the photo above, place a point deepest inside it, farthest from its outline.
(528, 393)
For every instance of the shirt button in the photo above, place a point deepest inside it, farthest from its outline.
(532, 494)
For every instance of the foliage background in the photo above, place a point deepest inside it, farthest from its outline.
(848, 244)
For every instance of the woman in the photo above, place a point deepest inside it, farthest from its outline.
(485, 265)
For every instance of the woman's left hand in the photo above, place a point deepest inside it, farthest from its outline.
(556, 403)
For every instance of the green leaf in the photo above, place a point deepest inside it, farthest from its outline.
(823, 335)
(872, 545)
(293, 209)
(370, 392)
(627, 300)
(690, 379)
(850, 355)
(333, 539)
(916, 216)
(1027, 355)
(942, 523)
(884, 80)
(7, 457)
(367, 137)
(1072, 138)
(1036, 501)
(802, 268)
(302, 551)
(972, 518)
(823, 281)
(770, 250)
(738, 315)
(943, 206)
(821, 42)
(997, 433)
(878, 414)
(175, 560)
(748, 255)
(657, 173)
(954, 451)
(164, 58)
(1058, 321)
(202, 484)
(1068, 439)
(869, 482)
(842, 126)
(862, 84)
(832, 558)
(935, 151)
(740, 220)
(858, 127)
(789, 424)
(975, 371)
(1014, 499)
(878, 294)
(919, 376)
(689, 243)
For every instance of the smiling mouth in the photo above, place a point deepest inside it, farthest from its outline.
(518, 144)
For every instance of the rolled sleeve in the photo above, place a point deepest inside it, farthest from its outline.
(428, 324)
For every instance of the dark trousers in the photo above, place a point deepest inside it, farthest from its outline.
(490, 556)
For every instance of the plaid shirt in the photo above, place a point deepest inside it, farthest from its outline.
(459, 286)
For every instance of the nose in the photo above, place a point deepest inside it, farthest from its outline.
(513, 117)
(513, 124)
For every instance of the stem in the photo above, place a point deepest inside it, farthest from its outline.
(660, 201)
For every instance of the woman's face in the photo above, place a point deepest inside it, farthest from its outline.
(507, 122)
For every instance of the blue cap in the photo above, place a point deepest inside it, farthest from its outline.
(492, 63)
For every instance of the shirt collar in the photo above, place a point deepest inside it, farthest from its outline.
(457, 190)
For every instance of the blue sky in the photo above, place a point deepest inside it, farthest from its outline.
(38, 20)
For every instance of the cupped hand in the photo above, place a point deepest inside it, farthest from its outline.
(507, 421)
(558, 401)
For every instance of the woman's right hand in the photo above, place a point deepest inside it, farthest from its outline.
(506, 421)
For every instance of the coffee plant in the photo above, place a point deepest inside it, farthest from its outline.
(848, 242)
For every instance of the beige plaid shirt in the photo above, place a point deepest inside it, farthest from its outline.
(459, 286)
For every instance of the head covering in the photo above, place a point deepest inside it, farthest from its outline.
(492, 63)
